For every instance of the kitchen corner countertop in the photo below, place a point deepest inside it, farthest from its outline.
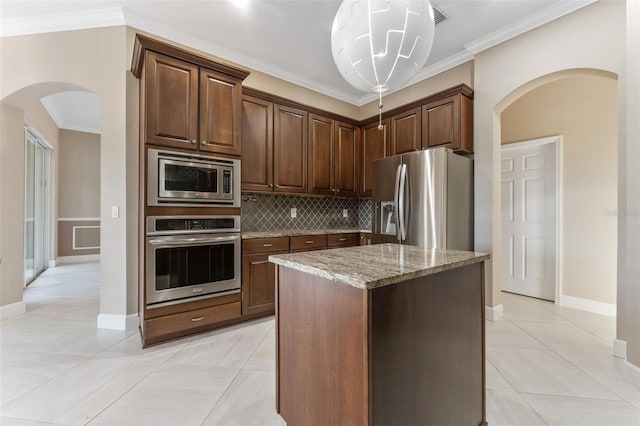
(369, 267)
(296, 232)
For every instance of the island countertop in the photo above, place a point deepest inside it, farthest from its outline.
(372, 266)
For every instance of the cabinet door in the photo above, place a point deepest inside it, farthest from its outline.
(441, 123)
(258, 283)
(374, 145)
(321, 155)
(290, 149)
(257, 144)
(346, 174)
(171, 102)
(405, 132)
(220, 113)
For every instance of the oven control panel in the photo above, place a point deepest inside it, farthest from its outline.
(157, 225)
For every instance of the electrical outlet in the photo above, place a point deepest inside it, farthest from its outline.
(345, 213)
(294, 212)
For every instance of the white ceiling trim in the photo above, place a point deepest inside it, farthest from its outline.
(535, 20)
(79, 20)
(60, 122)
(53, 111)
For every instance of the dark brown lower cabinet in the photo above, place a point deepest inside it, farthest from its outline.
(258, 283)
(410, 353)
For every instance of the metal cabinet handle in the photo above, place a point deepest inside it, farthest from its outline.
(197, 319)
(309, 242)
(193, 141)
(267, 245)
(343, 239)
(270, 185)
(337, 190)
(277, 186)
(203, 143)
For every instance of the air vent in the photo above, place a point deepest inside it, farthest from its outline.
(438, 16)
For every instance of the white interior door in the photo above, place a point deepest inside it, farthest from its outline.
(529, 219)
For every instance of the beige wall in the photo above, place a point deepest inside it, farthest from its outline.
(95, 60)
(79, 193)
(505, 72)
(584, 111)
(628, 320)
(12, 205)
(460, 74)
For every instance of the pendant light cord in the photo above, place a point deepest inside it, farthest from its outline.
(380, 126)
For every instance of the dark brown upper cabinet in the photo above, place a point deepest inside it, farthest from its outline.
(289, 149)
(171, 102)
(332, 157)
(188, 101)
(406, 131)
(321, 155)
(448, 123)
(373, 145)
(257, 144)
(346, 164)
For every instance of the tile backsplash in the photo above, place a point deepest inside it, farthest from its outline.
(265, 212)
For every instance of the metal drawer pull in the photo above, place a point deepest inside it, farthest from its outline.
(343, 239)
(310, 242)
(267, 245)
(197, 319)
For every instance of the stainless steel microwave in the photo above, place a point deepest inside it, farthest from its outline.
(180, 179)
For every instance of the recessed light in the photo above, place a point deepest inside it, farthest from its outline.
(242, 4)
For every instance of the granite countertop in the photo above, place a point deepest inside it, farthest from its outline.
(369, 267)
(295, 232)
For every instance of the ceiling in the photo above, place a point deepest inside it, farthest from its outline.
(288, 39)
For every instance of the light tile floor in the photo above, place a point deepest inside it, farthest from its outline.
(545, 366)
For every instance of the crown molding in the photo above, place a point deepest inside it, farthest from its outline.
(53, 111)
(535, 20)
(60, 123)
(79, 20)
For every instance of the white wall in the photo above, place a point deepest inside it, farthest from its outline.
(591, 38)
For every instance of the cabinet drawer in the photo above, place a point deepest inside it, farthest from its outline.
(265, 245)
(184, 321)
(342, 240)
(308, 242)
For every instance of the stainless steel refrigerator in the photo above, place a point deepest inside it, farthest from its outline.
(424, 198)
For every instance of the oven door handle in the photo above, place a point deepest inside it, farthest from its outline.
(191, 240)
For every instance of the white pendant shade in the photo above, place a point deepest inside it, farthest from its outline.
(380, 45)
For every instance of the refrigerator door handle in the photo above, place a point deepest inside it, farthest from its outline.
(396, 201)
(401, 202)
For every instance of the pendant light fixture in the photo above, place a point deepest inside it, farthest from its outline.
(379, 46)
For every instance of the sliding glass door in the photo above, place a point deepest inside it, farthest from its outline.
(36, 211)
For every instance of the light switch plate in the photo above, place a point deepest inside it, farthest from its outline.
(294, 212)
(115, 212)
(345, 213)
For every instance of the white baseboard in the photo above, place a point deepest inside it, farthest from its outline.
(631, 374)
(494, 313)
(63, 260)
(12, 309)
(596, 307)
(620, 349)
(53, 263)
(118, 322)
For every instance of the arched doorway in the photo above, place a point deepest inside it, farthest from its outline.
(581, 106)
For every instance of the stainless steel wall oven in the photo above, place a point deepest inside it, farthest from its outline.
(192, 257)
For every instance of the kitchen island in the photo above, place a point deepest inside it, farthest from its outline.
(380, 335)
